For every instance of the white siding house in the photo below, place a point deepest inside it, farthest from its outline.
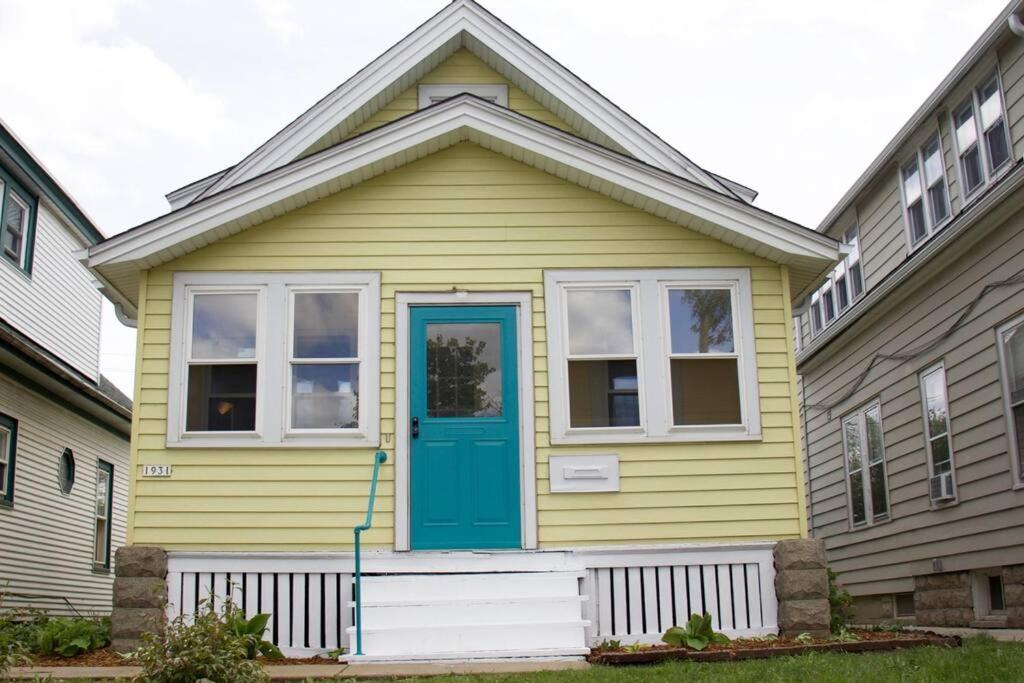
(63, 428)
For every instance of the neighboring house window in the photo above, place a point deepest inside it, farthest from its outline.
(8, 451)
(798, 340)
(1011, 357)
(865, 466)
(688, 372)
(243, 376)
(942, 485)
(66, 471)
(982, 137)
(925, 199)
(845, 284)
(17, 222)
(493, 92)
(104, 503)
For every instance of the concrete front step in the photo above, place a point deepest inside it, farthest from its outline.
(413, 587)
(447, 642)
(468, 612)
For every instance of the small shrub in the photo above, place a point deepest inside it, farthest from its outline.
(250, 632)
(804, 639)
(203, 648)
(696, 635)
(609, 645)
(69, 637)
(635, 647)
(840, 604)
(845, 636)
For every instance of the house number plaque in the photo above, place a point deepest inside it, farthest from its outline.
(156, 470)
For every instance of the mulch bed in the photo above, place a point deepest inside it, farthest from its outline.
(107, 657)
(868, 641)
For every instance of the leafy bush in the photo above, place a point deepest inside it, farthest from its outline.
(697, 634)
(840, 604)
(250, 632)
(203, 647)
(70, 637)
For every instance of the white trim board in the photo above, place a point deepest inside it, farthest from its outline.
(523, 301)
(463, 118)
(464, 23)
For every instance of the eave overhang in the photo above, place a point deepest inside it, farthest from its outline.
(464, 118)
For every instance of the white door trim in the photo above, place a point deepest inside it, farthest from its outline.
(523, 301)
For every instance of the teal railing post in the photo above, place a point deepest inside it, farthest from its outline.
(378, 459)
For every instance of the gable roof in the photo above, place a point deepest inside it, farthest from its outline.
(462, 118)
(462, 23)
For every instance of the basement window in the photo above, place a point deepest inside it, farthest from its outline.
(904, 604)
(492, 92)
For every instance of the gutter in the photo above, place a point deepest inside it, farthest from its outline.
(880, 298)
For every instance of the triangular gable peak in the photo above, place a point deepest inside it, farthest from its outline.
(462, 24)
(119, 260)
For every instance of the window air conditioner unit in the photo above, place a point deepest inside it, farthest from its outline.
(942, 486)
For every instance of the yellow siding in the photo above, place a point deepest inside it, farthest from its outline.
(472, 219)
(462, 67)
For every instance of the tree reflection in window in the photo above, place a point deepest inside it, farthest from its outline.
(464, 370)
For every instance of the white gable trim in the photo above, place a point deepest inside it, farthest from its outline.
(464, 118)
(445, 26)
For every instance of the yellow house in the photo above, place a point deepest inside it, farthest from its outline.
(572, 343)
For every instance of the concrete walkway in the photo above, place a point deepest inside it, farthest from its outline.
(1015, 635)
(301, 672)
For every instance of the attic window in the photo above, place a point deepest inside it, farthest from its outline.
(492, 92)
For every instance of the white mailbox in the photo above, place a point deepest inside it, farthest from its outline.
(584, 473)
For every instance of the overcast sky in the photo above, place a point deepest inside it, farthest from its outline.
(124, 100)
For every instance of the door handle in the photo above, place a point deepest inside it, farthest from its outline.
(415, 428)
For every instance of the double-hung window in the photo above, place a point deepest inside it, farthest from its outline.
(865, 466)
(8, 451)
(942, 485)
(982, 137)
(262, 359)
(1010, 338)
(844, 286)
(925, 198)
(104, 503)
(855, 274)
(651, 355)
(17, 222)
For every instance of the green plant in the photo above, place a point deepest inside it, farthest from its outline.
(69, 637)
(889, 628)
(845, 636)
(696, 635)
(609, 645)
(840, 604)
(635, 647)
(250, 632)
(200, 647)
(337, 652)
(804, 639)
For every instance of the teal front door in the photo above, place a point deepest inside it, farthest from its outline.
(464, 431)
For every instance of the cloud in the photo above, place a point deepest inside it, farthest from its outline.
(279, 16)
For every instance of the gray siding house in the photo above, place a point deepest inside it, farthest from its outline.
(64, 429)
(911, 359)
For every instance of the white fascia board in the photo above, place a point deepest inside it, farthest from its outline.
(459, 16)
(186, 193)
(464, 114)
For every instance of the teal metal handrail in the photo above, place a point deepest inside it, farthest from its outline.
(379, 458)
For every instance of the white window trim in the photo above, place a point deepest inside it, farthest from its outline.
(431, 94)
(987, 175)
(860, 415)
(107, 498)
(930, 225)
(650, 315)
(938, 367)
(272, 359)
(5, 457)
(1015, 455)
(842, 270)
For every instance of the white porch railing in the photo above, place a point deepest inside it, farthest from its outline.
(634, 594)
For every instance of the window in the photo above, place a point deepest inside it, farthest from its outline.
(104, 503)
(8, 450)
(604, 389)
(17, 222)
(493, 92)
(865, 466)
(1010, 339)
(936, 433)
(239, 377)
(66, 471)
(615, 378)
(980, 131)
(845, 284)
(324, 360)
(904, 605)
(925, 199)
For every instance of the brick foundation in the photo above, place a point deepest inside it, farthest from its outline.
(1013, 592)
(801, 586)
(140, 595)
(943, 599)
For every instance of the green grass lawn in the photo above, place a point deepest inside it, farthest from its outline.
(981, 659)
